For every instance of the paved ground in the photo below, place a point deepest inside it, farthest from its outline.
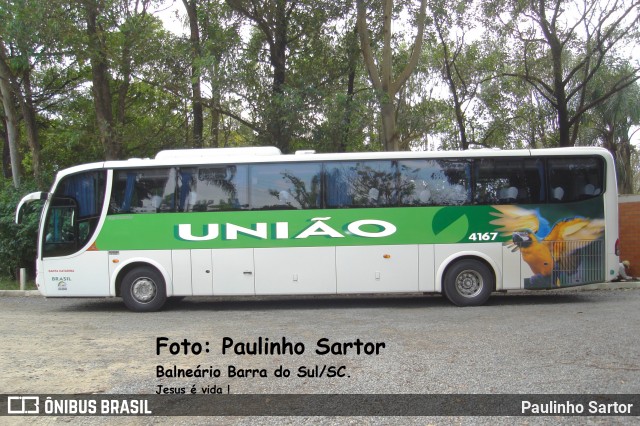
(552, 342)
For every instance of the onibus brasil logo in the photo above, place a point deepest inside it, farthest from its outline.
(69, 405)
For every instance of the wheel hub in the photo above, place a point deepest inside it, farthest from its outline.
(469, 283)
(143, 290)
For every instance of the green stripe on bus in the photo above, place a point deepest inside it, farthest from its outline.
(292, 228)
(318, 228)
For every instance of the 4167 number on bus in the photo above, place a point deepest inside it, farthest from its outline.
(483, 236)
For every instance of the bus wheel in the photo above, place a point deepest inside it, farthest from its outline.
(143, 289)
(468, 282)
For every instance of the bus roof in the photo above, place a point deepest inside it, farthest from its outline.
(207, 153)
(188, 157)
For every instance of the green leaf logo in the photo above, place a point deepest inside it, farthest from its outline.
(450, 225)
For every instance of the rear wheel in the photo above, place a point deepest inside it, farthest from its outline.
(143, 289)
(468, 282)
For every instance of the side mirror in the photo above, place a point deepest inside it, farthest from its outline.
(27, 199)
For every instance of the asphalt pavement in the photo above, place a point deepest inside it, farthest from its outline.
(554, 342)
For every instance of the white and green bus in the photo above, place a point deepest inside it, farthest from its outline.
(251, 221)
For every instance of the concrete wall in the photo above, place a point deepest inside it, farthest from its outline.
(629, 216)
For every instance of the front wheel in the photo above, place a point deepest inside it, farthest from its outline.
(468, 282)
(143, 289)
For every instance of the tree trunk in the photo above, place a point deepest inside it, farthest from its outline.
(12, 132)
(559, 93)
(25, 100)
(278, 131)
(6, 155)
(559, 89)
(382, 79)
(627, 184)
(101, 88)
(348, 109)
(390, 135)
(216, 105)
(449, 65)
(31, 126)
(196, 90)
(215, 122)
(123, 88)
(625, 170)
(272, 19)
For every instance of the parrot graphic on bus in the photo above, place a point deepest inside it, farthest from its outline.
(547, 248)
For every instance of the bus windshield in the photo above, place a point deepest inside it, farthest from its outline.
(74, 213)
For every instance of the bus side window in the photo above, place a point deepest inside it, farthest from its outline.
(530, 182)
(215, 188)
(414, 188)
(493, 181)
(143, 191)
(186, 189)
(433, 182)
(508, 180)
(336, 193)
(371, 183)
(575, 179)
(282, 186)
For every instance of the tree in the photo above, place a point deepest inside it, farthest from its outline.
(273, 19)
(286, 69)
(635, 165)
(18, 79)
(121, 39)
(562, 45)
(467, 61)
(100, 76)
(196, 54)
(443, 19)
(381, 73)
(611, 124)
(213, 65)
(12, 133)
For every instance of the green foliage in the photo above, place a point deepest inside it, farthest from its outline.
(611, 124)
(325, 101)
(17, 242)
(12, 284)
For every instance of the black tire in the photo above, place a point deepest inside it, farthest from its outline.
(468, 282)
(143, 289)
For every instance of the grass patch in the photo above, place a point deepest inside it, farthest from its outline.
(10, 284)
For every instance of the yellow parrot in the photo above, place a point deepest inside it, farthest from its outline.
(536, 254)
(545, 247)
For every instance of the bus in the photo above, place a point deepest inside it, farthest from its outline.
(253, 221)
